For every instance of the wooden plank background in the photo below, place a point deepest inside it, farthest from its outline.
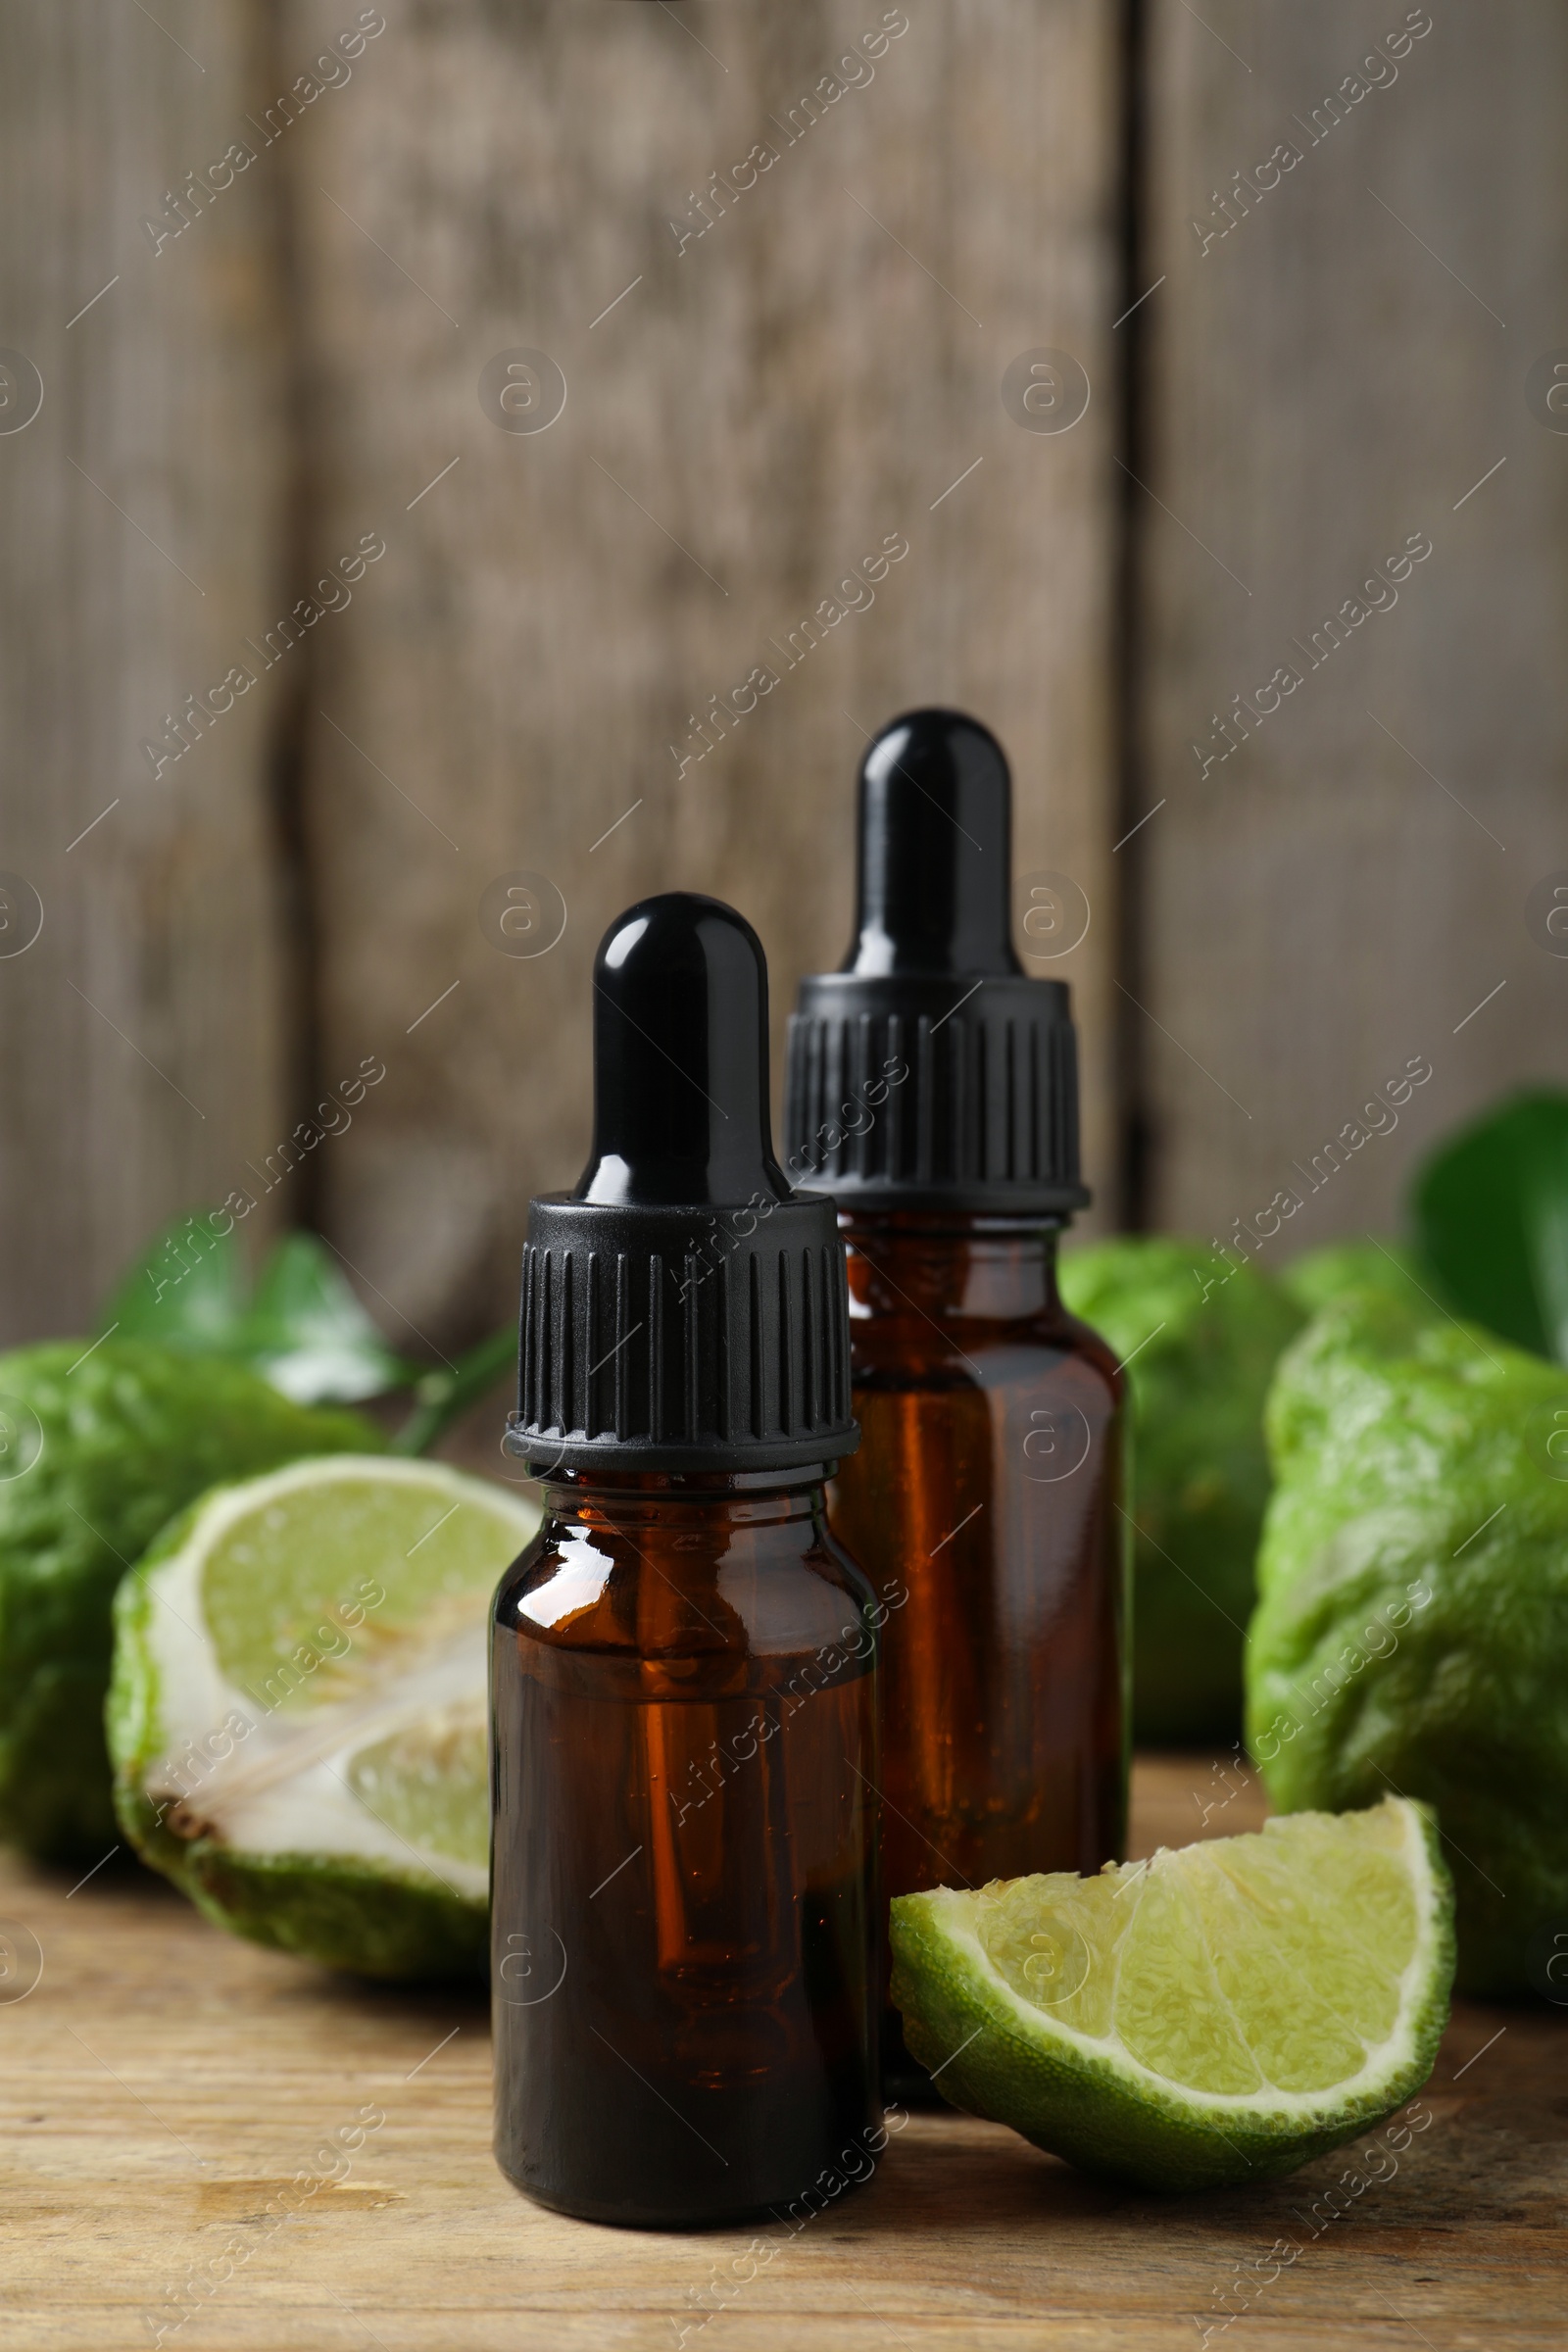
(1327, 372)
(141, 1034)
(749, 411)
(761, 410)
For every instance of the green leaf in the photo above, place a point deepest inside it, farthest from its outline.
(1490, 1213)
(308, 1334)
(186, 1290)
(304, 1330)
(442, 1398)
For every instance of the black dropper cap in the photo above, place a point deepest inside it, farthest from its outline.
(682, 1309)
(932, 1072)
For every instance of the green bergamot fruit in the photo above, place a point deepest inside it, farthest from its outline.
(99, 1446)
(1412, 1628)
(1200, 1347)
(297, 1716)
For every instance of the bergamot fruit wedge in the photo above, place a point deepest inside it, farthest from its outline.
(1216, 2015)
(100, 1444)
(297, 1716)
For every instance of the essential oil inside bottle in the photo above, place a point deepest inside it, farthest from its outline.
(686, 1949)
(933, 1087)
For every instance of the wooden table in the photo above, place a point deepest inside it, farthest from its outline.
(164, 2086)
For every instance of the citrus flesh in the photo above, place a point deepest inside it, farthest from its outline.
(298, 1710)
(1215, 2015)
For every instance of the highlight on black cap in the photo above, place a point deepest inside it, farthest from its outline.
(680, 1060)
(682, 1309)
(931, 1072)
(934, 862)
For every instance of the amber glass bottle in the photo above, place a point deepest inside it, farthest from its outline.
(933, 1087)
(686, 1956)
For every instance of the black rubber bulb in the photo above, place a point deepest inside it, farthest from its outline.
(680, 1060)
(934, 851)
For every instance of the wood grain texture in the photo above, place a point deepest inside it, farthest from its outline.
(166, 2090)
(139, 1036)
(1339, 366)
(760, 406)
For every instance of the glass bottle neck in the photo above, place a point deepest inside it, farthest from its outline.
(699, 1503)
(999, 1269)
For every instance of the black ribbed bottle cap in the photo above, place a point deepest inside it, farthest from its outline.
(932, 1072)
(682, 1309)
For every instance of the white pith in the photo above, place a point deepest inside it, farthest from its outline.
(953, 1908)
(284, 1789)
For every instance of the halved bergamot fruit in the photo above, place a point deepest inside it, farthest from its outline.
(1216, 2015)
(297, 1717)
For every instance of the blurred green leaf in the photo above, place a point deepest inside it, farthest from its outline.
(186, 1290)
(308, 1334)
(442, 1398)
(1491, 1214)
(302, 1330)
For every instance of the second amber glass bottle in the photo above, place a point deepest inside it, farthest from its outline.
(933, 1087)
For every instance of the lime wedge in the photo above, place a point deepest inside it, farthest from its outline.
(1215, 2015)
(297, 1716)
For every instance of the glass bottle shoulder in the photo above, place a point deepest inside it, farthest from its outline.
(678, 1584)
(917, 1351)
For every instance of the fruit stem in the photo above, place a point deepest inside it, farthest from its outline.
(445, 1395)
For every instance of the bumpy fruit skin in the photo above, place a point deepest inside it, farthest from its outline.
(1320, 1276)
(1413, 1630)
(340, 1913)
(1199, 1472)
(130, 1437)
